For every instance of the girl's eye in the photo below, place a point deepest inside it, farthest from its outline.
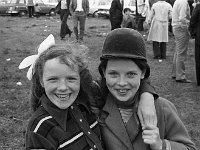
(113, 74)
(72, 79)
(52, 79)
(131, 74)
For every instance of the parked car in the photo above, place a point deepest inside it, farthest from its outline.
(46, 8)
(18, 7)
(13, 7)
(93, 8)
(103, 8)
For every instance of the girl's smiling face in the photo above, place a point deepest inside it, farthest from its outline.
(61, 83)
(123, 78)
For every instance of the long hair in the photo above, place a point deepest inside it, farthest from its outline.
(71, 55)
(142, 64)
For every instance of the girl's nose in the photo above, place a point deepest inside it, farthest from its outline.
(122, 81)
(62, 85)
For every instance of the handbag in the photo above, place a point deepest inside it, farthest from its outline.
(58, 7)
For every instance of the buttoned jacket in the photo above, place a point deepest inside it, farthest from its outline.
(51, 128)
(85, 6)
(117, 136)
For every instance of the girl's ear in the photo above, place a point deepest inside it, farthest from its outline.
(104, 72)
(143, 74)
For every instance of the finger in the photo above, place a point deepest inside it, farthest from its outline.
(149, 132)
(149, 141)
(150, 127)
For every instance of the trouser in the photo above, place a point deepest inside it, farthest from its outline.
(197, 61)
(159, 50)
(30, 11)
(181, 35)
(79, 16)
(116, 22)
(64, 13)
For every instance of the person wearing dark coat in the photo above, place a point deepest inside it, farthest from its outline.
(123, 66)
(60, 99)
(194, 28)
(116, 13)
(64, 14)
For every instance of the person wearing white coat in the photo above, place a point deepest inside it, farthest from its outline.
(161, 12)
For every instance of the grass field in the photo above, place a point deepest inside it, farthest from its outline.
(19, 38)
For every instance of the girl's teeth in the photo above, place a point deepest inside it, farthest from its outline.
(122, 91)
(62, 96)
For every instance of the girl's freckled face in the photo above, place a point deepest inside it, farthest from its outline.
(61, 83)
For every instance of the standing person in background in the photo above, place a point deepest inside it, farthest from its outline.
(64, 13)
(180, 23)
(116, 14)
(195, 33)
(79, 10)
(37, 10)
(30, 6)
(159, 19)
(128, 20)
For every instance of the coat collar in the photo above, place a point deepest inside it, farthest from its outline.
(116, 124)
(60, 115)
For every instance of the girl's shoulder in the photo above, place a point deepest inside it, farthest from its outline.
(40, 121)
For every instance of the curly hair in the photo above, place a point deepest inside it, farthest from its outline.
(71, 55)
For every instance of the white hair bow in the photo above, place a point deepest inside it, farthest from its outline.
(30, 60)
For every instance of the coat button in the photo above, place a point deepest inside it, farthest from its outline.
(89, 132)
(72, 107)
(80, 120)
(95, 146)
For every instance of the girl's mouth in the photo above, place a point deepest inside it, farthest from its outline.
(63, 96)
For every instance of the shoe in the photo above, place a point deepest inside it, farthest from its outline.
(156, 57)
(184, 81)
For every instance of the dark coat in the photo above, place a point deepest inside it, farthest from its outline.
(117, 136)
(51, 128)
(85, 5)
(116, 14)
(194, 27)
